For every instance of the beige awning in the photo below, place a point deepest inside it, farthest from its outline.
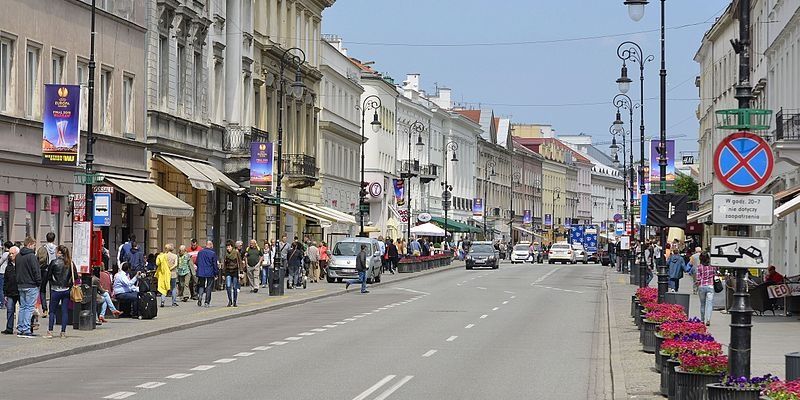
(788, 207)
(700, 216)
(218, 177)
(521, 229)
(158, 200)
(336, 215)
(299, 209)
(202, 175)
(787, 194)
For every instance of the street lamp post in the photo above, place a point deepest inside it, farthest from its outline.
(624, 101)
(516, 177)
(630, 51)
(371, 102)
(489, 164)
(446, 195)
(90, 139)
(418, 127)
(556, 195)
(293, 57)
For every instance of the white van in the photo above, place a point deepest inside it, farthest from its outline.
(342, 263)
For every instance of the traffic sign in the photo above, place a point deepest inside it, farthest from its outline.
(739, 252)
(743, 209)
(743, 162)
(617, 217)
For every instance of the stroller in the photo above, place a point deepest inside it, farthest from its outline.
(303, 278)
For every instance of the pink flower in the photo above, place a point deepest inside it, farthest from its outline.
(703, 364)
(784, 390)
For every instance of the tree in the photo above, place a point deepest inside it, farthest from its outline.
(685, 184)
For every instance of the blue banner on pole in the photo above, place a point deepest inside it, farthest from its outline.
(643, 213)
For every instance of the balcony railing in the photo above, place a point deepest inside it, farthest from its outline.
(299, 166)
(406, 166)
(238, 138)
(787, 125)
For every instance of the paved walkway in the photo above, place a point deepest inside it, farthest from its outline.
(15, 352)
(772, 338)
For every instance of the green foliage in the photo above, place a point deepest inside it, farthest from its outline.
(685, 184)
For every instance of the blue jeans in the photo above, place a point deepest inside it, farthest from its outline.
(27, 301)
(265, 275)
(295, 275)
(362, 277)
(173, 288)
(106, 304)
(56, 298)
(204, 288)
(132, 298)
(706, 302)
(2, 295)
(11, 308)
(232, 285)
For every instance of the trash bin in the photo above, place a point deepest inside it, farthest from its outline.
(793, 366)
(681, 299)
(276, 278)
(89, 304)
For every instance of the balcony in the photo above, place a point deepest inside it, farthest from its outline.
(238, 138)
(787, 136)
(300, 170)
(408, 168)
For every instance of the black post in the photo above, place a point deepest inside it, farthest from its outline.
(89, 168)
(371, 102)
(446, 195)
(489, 164)
(741, 311)
(663, 276)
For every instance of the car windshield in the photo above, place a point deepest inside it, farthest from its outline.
(347, 249)
(481, 248)
(521, 247)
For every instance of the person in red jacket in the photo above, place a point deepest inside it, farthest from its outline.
(773, 277)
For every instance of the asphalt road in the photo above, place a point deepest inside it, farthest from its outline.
(519, 332)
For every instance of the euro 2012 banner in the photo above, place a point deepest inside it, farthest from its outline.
(261, 167)
(61, 124)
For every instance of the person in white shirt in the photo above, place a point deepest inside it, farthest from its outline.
(266, 262)
(125, 288)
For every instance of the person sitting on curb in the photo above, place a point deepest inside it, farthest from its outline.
(103, 296)
(125, 288)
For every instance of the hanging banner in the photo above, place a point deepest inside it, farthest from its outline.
(61, 124)
(655, 169)
(477, 207)
(548, 220)
(526, 217)
(666, 210)
(399, 192)
(261, 167)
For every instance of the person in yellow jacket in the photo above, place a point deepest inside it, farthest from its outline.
(167, 274)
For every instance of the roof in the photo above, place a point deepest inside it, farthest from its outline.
(472, 115)
(534, 143)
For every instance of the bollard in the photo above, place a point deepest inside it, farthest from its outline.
(681, 299)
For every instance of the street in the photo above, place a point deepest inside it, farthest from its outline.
(519, 332)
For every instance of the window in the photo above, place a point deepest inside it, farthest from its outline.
(105, 101)
(82, 73)
(247, 86)
(55, 216)
(4, 217)
(30, 215)
(6, 62)
(32, 81)
(181, 74)
(127, 106)
(196, 81)
(163, 69)
(218, 93)
(57, 67)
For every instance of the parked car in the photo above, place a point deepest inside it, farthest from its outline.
(561, 252)
(520, 253)
(342, 263)
(482, 254)
(580, 253)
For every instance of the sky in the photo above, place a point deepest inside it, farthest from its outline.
(552, 62)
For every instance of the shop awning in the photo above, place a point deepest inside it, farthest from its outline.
(158, 200)
(787, 194)
(455, 226)
(304, 211)
(427, 229)
(333, 214)
(788, 207)
(521, 229)
(201, 175)
(700, 216)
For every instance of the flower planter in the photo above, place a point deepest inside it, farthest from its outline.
(692, 386)
(649, 336)
(659, 357)
(668, 377)
(719, 392)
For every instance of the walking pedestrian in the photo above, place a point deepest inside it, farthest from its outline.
(382, 251)
(676, 267)
(266, 261)
(124, 251)
(193, 250)
(10, 290)
(207, 270)
(233, 267)
(313, 261)
(705, 287)
(361, 268)
(4, 261)
(167, 274)
(185, 271)
(60, 275)
(394, 256)
(29, 280)
(295, 262)
(323, 259)
(253, 257)
(46, 254)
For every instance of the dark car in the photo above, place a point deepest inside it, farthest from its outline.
(605, 259)
(482, 254)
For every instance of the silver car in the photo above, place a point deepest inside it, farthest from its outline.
(342, 263)
(561, 252)
(580, 253)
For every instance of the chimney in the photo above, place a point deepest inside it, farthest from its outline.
(443, 98)
(411, 82)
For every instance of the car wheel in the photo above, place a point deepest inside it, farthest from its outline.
(468, 267)
(329, 279)
(496, 266)
(585, 262)
(552, 262)
(338, 280)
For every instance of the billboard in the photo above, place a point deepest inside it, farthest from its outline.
(548, 220)
(399, 191)
(654, 176)
(527, 219)
(261, 167)
(61, 133)
(477, 207)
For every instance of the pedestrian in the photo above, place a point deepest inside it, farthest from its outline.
(124, 251)
(60, 274)
(135, 257)
(649, 257)
(694, 262)
(394, 256)
(323, 259)
(705, 287)
(46, 254)
(283, 249)
(29, 280)
(185, 271)
(295, 263)
(150, 264)
(382, 251)
(102, 282)
(10, 289)
(401, 246)
(312, 252)
(233, 267)
(253, 256)
(4, 260)
(361, 268)
(266, 261)
(125, 288)
(167, 274)
(193, 250)
(207, 270)
(414, 248)
(676, 267)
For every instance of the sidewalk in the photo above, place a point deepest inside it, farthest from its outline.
(772, 338)
(16, 352)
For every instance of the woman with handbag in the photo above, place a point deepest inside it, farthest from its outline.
(233, 266)
(61, 276)
(706, 275)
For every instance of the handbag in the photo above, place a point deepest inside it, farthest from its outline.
(75, 292)
(718, 286)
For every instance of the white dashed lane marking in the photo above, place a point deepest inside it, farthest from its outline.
(306, 334)
(496, 308)
(225, 360)
(484, 316)
(451, 338)
(261, 348)
(178, 376)
(293, 338)
(244, 354)
(505, 302)
(374, 387)
(278, 343)
(394, 388)
(329, 326)
(120, 395)
(319, 330)
(151, 385)
(469, 326)
(202, 368)
(429, 353)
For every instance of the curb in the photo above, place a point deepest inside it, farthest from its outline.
(618, 387)
(5, 366)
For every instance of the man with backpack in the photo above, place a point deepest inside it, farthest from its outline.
(46, 254)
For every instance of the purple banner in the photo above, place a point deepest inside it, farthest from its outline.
(526, 217)
(261, 167)
(399, 192)
(548, 220)
(477, 207)
(61, 124)
(654, 176)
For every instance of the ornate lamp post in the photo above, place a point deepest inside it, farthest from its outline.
(623, 101)
(418, 127)
(293, 57)
(446, 195)
(486, 176)
(373, 103)
(556, 195)
(516, 177)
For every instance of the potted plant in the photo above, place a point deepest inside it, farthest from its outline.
(695, 372)
(741, 388)
(659, 314)
(668, 376)
(695, 343)
(783, 390)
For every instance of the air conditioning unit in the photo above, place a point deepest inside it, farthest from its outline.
(47, 201)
